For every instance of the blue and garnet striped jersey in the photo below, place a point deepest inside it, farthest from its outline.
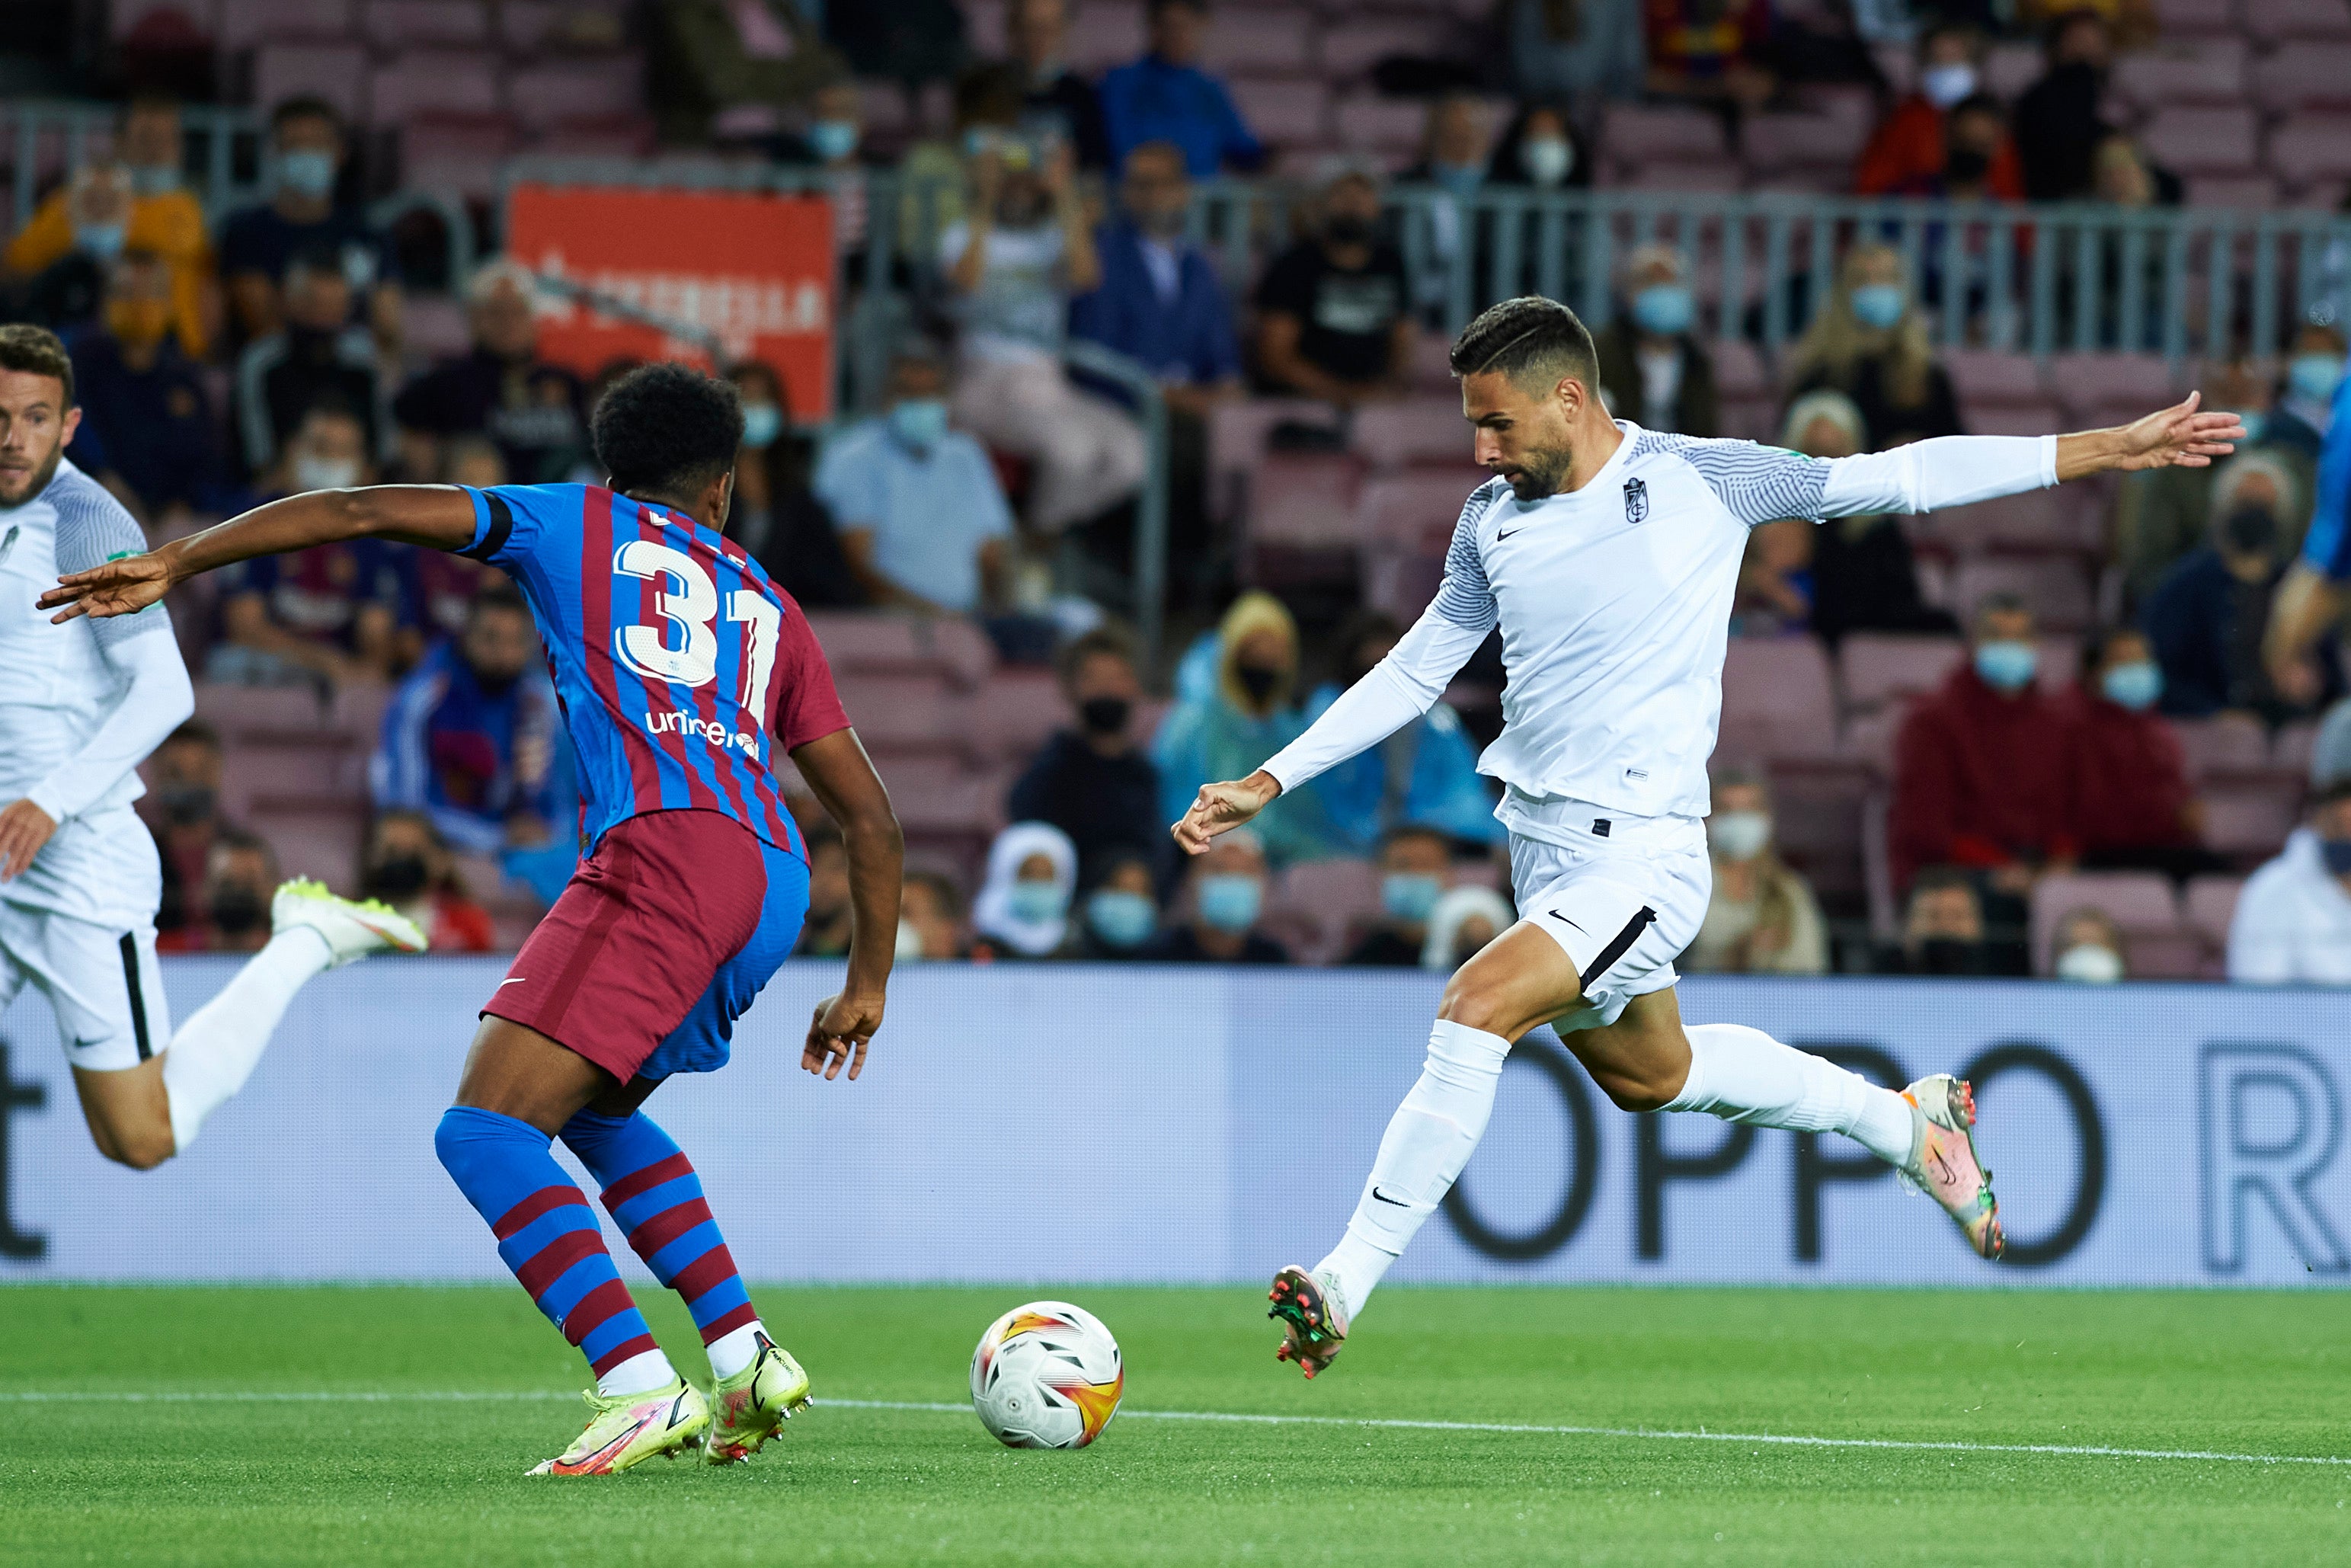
(682, 670)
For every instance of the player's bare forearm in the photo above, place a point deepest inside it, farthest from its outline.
(2179, 436)
(2306, 605)
(843, 777)
(1220, 807)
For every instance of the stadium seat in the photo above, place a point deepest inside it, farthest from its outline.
(2190, 20)
(1986, 377)
(458, 153)
(2056, 591)
(1104, 33)
(2015, 419)
(1875, 668)
(1773, 142)
(541, 95)
(2209, 904)
(2291, 750)
(524, 26)
(2204, 141)
(316, 839)
(2277, 21)
(1346, 52)
(2251, 821)
(1740, 373)
(398, 25)
(1303, 500)
(1816, 824)
(1432, 369)
(2087, 384)
(245, 24)
(2243, 193)
(1635, 135)
(2209, 71)
(884, 645)
(1415, 510)
(1317, 906)
(2308, 148)
(2036, 522)
(2140, 902)
(1778, 701)
(2307, 76)
(597, 136)
(1369, 124)
(910, 715)
(1261, 37)
(2229, 746)
(1867, 740)
(1416, 430)
(1238, 431)
(335, 72)
(1017, 712)
(1284, 110)
(1717, 177)
(433, 81)
(2009, 68)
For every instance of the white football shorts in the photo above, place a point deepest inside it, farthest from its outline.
(79, 926)
(1622, 896)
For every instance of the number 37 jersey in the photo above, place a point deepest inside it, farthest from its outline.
(682, 670)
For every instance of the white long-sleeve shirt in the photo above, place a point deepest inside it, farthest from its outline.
(1614, 600)
(2292, 924)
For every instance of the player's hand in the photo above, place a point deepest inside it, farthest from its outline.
(2178, 436)
(1220, 807)
(837, 1038)
(115, 588)
(24, 829)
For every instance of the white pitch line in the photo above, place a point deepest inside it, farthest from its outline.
(1649, 1434)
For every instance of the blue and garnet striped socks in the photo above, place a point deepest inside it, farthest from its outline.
(653, 1195)
(548, 1236)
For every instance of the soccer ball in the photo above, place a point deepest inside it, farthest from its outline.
(1047, 1376)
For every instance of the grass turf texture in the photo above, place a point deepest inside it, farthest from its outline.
(420, 1481)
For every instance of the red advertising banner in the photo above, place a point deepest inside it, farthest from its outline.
(753, 268)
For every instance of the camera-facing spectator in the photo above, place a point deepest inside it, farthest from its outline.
(1056, 95)
(142, 397)
(776, 516)
(1023, 907)
(240, 880)
(1710, 51)
(1870, 343)
(1333, 320)
(2206, 619)
(302, 217)
(2060, 119)
(1464, 921)
(2137, 810)
(832, 140)
(1761, 918)
(1121, 908)
(1416, 868)
(1577, 52)
(1166, 97)
(1943, 928)
(1425, 773)
(1864, 577)
(733, 66)
(315, 357)
(329, 614)
(182, 810)
(1093, 780)
(1249, 714)
(442, 584)
(67, 290)
(1653, 371)
(1022, 251)
(535, 412)
(1906, 154)
(1542, 149)
(921, 518)
(930, 918)
(163, 218)
(1227, 900)
(1983, 773)
(2293, 924)
(825, 933)
(2088, 949)
(407, 864)
(469, 737)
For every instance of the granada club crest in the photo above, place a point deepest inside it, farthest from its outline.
(1636, 501)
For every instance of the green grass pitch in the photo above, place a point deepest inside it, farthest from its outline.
(400, 1478)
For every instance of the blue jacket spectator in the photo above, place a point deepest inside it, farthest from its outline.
(307, 149)
(1425, 773)
(141, 397)
(1163, 96)
(1159, 302)
(1229, 733)
(469, 737)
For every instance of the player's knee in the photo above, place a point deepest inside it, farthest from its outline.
(141, 1149)
(1476, 1006)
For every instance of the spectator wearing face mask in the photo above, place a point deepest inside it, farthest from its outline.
(1166, 97)
(1652, 368)
(1333, 320)
(2305, 411)
(1580, 52)
(1425, 773)
(536, 411)
(1248, 714)
(2163, 514)
(1761, 918)
(1023, 907)
(1464, 921)
(1454, 145)
(469, 737)
(1416, 868)
(1943, 929)
(1983, 772)
(142, 397)
(2060, 119)
(316, 357)
(1038, 31)
(824, 933)
(2208, 617)
(930, 918)
(775, 514)
(2293, 924)
(830, 141)
(182, 810)
(301, 217)
(1092, 781)
(2088, 949)
(2135, 810)
(67, 292)
(163, 219)
(1869, 342)
(240, 880)
(1119, 911)
(407, 864)
(1863, 575)
(1540, 150)
(921, 518)
(1906, 154)
(1227, 887)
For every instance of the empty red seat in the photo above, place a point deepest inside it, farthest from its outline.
(1637, 135)
(2311, 147)
(1238, 431)
(2291, 750)
(394, 25)
(2039, 418)
(1879, 667)
(2204, 141)
(2277, 21)
(458, 153)
(1305, 500)
(2209, 904)
(433, 81)
(1364, 41)
(2140, 902)
(335, 72)
(1777, 700)
(597, 136)
(1988, 376)
(884, 645)
(1105, 33)
(2307, 76)
(1318, 906)
(1432, 369)
(2189, 20)
(1017, 712)
(541, 95)
(1417, 509)
(2087, 383)
(1415, 430)
(2055, 590)
(2209, 70)
(1379, 124)
(2225, 746)
(1715, 177)
(941, 797)
(244, 24)
(1770, 143)
(320, 839)
(2243, 193)
(1257, 38)
(2036, 522)
(984, 29)
(1283, 109)
(908, 714)
(2251, 820)
(1739, 370)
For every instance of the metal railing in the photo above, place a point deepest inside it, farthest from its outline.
(220, 144)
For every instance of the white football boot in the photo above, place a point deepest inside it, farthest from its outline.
(351, 927)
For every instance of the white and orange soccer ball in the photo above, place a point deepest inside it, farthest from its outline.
(1047, 1376)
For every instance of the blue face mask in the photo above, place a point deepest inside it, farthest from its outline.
(1879, 305)
(308, 172)
(1232, 904)
(103, 241)
(2007, 667)
(832, 139)
(1120, 918)
(762, 423)
(2134, 686)
(2336, 853)
(1460, 178)
(919, 422)
(2315, 376)
(1039, 902)
(1409, 895)
(1664, 310)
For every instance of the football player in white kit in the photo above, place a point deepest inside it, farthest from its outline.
(1607, 555)
(81, 705)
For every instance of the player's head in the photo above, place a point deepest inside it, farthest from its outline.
(667, 433)
(1529, 384)
(38, 417)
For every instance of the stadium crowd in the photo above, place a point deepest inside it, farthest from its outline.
(2046, 774)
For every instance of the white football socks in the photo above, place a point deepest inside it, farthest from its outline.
(215, 1050)
(641, 1374)
(735, 1349)
(1742, 1075)
(1428, 1141)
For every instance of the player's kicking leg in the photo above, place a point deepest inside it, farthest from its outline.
(146, 1089)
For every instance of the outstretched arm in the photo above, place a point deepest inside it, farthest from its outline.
(440, 516)
(843, 777)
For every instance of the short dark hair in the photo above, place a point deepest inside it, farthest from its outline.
(37, 352)
(304, 106)
(667, 428)
(499, 593)
(1102, 643)
(1528, 340)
